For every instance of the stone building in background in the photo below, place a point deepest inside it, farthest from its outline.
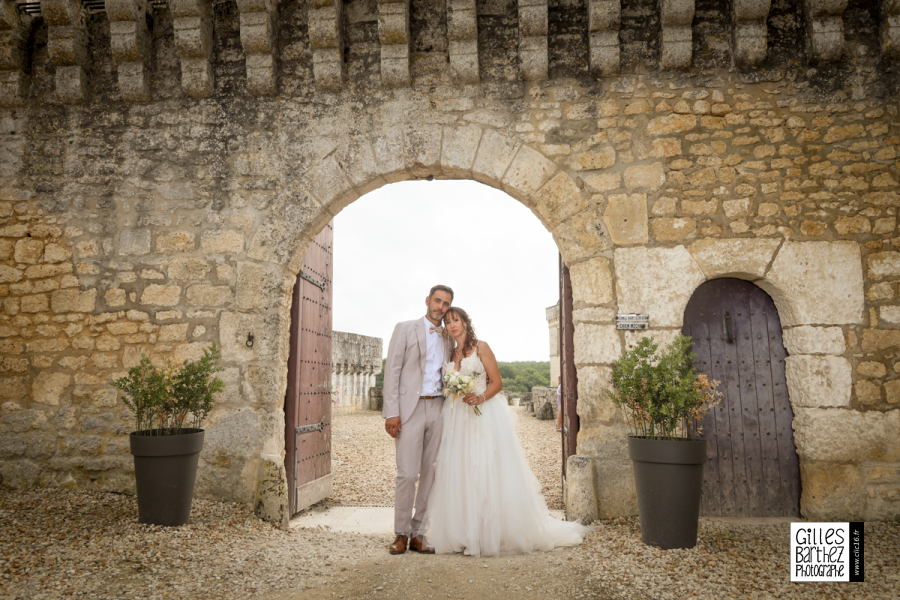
(164, 166)
(355, 361)
(552, 313)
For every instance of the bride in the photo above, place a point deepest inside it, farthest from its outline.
(485, 499)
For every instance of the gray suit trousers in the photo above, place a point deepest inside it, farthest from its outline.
(417, 448)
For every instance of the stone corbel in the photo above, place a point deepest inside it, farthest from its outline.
(192, 20)
(14, 27)
(66, 47)
(750, 34)
(604, 19)
(130, 45)
(533, 28)
(326, 40)
(676, 39)
(825, 29)
(393, 33)
(462, 33)
(890, 27)
(258, 31)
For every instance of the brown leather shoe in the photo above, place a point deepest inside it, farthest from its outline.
(417, 544)
(399, 545)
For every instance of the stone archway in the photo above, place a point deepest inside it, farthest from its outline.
(347, 171)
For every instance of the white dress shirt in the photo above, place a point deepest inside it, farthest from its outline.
(434, 361)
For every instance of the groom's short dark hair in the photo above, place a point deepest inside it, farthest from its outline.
(441, 288)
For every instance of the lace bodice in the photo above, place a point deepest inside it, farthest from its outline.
(470, 365)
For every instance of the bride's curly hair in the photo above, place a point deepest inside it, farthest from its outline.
(471, 338)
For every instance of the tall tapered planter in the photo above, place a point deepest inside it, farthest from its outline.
(668, 475)
(165, 467)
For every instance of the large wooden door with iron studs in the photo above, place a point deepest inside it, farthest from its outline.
(307, 404)
(751, 466)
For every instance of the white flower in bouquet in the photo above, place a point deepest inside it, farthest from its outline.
(458, 385)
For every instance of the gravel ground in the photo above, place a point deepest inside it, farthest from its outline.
(69, 544)
(363, 458)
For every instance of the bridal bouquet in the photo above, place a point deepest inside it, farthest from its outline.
(457, 384)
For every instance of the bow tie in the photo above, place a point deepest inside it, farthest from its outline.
(437, 330)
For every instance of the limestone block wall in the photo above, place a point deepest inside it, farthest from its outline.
(155, 210)
(355, 361)
(553, 327)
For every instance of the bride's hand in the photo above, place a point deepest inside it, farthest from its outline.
(473, 399)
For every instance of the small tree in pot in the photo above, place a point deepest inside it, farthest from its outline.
(165, 451)
(664, 401)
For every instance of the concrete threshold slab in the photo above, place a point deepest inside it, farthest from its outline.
(367, 520)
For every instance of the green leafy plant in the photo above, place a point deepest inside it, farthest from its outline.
(659, 392)
(163, 400)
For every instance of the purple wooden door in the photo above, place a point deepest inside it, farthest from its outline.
(752, 467)
(307, 404)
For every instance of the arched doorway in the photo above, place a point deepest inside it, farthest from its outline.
(386, 232)
(752, 467)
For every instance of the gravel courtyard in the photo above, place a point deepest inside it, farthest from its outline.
(363, 458)
(61, 544)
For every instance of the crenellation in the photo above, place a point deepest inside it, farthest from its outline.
(462, 37)
(14, 29)
(749, 31)
(327, 42)
(130, 45)
(603, 36)
(66, 45)
(258, 23)
(533, 29)
(825, 29)
(192, 22)
(393, 33)
(676, 36)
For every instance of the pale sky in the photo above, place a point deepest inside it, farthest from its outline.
(394, 243)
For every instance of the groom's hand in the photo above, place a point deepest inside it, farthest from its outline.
(392, 426)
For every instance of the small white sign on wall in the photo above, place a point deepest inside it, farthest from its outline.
(632, 321)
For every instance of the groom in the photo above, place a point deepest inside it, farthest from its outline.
(412, 414)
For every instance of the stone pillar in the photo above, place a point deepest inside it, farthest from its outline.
(193, 43)
(326, 39)
(676, 44)
(604, 18)
(66, 46)
(825, 29)
(393, 34)
(462, 33)
(552, 313)
(533, 29)
(750, 35)
(130, 47)
(14, 28)
(258, 31)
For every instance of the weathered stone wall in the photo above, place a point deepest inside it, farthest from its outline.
(158, 187)
(552, 315)
(355, 361)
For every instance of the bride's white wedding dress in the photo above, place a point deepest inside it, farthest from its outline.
(485, 499)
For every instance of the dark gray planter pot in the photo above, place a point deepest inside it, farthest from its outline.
(165, 467)
(668, 475)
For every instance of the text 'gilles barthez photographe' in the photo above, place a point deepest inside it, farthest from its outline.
(827, 552)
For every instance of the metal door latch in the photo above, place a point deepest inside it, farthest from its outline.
(320, 426)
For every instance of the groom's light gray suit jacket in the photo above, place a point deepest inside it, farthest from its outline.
(406, 367)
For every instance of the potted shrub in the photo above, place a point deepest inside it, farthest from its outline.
(664, 401)
(169, 406)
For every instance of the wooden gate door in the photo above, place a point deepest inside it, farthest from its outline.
(307, 404)
(568, 378)
(751, 467)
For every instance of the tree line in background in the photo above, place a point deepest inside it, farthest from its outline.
(518, 377)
